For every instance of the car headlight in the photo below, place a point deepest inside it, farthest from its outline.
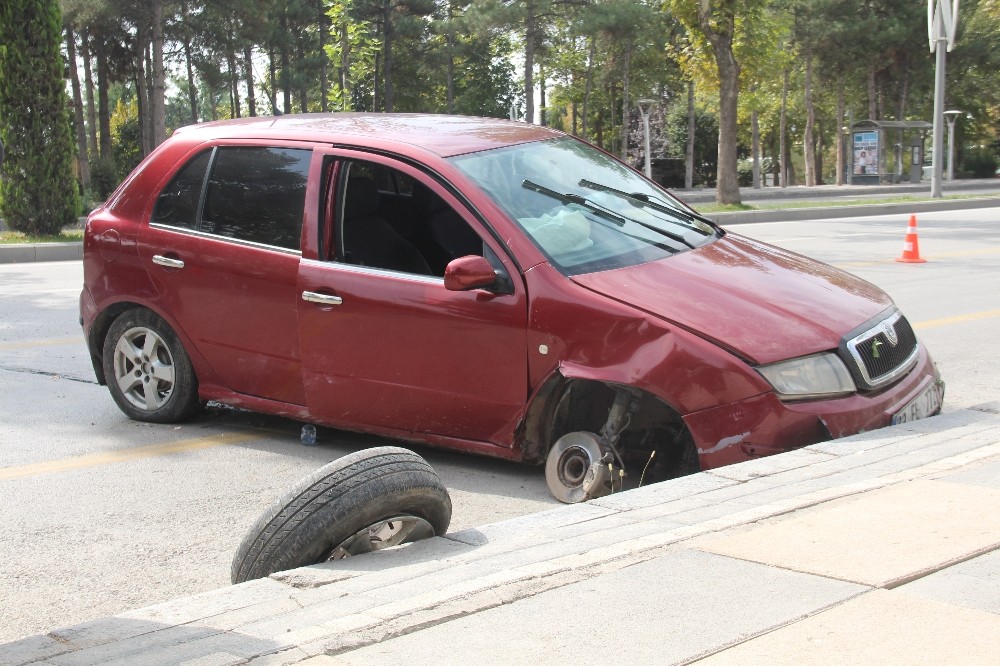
(819, 376)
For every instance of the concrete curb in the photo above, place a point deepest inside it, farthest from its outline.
(334, 608)
(32, 252)
(838, 212)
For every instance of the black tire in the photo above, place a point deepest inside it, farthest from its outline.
(338, 501)
(142, 349)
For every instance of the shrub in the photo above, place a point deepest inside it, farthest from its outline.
(981, 163)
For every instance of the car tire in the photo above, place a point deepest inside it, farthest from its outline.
(147, 370)
(368, 500)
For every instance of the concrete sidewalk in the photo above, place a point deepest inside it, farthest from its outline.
(878, 548)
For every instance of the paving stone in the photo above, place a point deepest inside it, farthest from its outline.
(209, 604)
(130, 649)
(753, 469)
(31, 649)
(621, 617)
(661, 493)
(971, 584)
(986, 475)
(882, 627)
(880, 538)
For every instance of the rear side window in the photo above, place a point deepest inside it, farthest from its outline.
(177, 205)
(257, 194)
(254, 194)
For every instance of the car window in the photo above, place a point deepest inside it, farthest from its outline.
(177, 205)
(409, 229)
(257, 194)
(585, 210)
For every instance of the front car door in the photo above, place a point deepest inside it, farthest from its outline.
(384, 345)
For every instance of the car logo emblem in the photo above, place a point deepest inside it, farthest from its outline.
(889, 331)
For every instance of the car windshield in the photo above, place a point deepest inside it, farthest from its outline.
(586, 211)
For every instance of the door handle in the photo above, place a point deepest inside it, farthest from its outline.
(322, 299)
(160, 260)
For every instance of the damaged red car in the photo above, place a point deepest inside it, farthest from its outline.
(483, 285)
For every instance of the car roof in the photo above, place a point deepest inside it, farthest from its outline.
(443, 135)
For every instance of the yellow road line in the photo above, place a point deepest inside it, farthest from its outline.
(123, 455)
(51, 342)
(934, 323)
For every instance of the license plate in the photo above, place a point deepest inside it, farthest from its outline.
(925, 404)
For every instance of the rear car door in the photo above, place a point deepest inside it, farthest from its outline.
(223, 249)
(384, 344)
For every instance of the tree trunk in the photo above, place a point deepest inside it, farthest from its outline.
(755, 147)
(234, 86)
(841, 156)
(451, 58)
(83, 164)
(529, 62)
(808, 145)
(689, 153)
(283, 55)
(625, 98)
(248, 74)
(719, 29)
(142, 92)
(159, 77)
(872, 103)
(588, 87)
(387, 54)
(345, 69)
(542, 118)
(88, 82)
(783, 131)
(324, 70)
(103, 105)
(820, 145)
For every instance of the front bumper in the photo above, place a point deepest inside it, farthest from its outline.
(764, 425)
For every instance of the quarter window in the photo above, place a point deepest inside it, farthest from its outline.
(177, 205)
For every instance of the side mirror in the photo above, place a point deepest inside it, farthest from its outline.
(472, 272)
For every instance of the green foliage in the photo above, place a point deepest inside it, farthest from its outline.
(36, 178)
(706, 142)
(981, 163)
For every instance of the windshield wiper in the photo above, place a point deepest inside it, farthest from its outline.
(645, 200)
(606, 213)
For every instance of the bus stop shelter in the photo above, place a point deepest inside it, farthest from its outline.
(882, 151)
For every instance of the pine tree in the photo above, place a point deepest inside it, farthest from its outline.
(38, 193)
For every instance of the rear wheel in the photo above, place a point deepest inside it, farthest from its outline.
(365, 501)
(147, 369)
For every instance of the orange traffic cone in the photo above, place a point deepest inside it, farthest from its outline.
(911, 247)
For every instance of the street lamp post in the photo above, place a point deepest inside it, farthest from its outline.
(942, 20)
(644, 107)
(951, 117)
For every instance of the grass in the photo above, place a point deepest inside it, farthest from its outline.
(19, 238)
(829, 203)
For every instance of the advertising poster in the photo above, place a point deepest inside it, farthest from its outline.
(865, 153)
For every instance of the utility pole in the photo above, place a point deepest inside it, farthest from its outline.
(942, 20)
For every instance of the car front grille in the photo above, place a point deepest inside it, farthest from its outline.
(883, 352)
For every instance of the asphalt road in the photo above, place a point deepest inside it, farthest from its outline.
(104, 514)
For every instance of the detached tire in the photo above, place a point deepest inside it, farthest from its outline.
(147, 369)
(369, 500)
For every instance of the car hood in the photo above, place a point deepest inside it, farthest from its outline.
(760, 302)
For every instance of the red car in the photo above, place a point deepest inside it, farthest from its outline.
(482, 285)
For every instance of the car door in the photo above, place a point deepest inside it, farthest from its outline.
(223, 249)
(386, 346)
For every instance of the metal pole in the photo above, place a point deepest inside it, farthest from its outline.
(937, 143)
(951, 117)
(645, 105)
